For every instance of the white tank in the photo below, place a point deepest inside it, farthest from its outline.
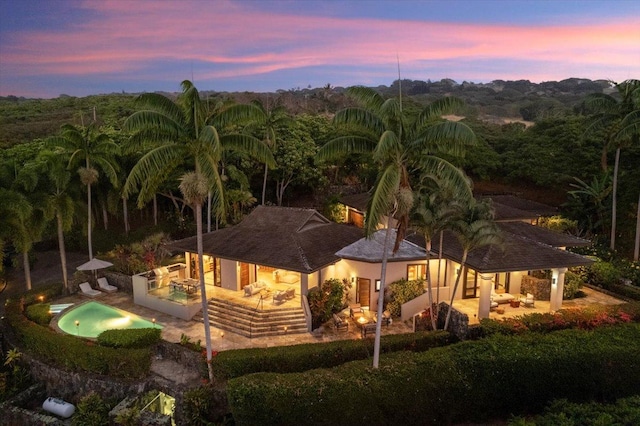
(58, 407)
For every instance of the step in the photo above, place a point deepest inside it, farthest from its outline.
(249, 322)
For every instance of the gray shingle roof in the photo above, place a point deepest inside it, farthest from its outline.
(543, 235)
(295, 239)
(371, 249)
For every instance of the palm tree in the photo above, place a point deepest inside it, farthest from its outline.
(88, 147)
(381, 128)
(474, 229)
(180, 135)
(58, 202)
(260, 118)
(621, 119)
(16, 212)
(435, 206)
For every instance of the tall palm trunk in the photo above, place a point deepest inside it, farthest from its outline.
(455, 288)
(264, 183)
(439, 266)
(89, 242)
(636, 248)
(27, 268)
(429, 286)
(63, 254)
(383, 279)
(125, 215)
(155, 209)
(203, 291)
(614, 200)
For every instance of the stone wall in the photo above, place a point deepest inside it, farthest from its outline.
(122, 281)
(539, 287)
(458, 323)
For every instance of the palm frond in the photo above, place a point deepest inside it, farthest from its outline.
(343, 146)
(388, 147)
(162, 105)
(366, 96)
(155, 125)
(629, 126)
(450, 178)
(362, 118)
(382, 198)
(158, 161)
(251, 146)
(446, 137)
(438, 108)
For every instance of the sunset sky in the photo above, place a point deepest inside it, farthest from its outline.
(78, 48)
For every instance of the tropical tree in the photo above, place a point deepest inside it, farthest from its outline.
(397, 143)
(587, 200)
(434, 207)
(474, 228)
(262, 119)
(16, 212)
(58, 202)
(620, 117)
(180, 136)
(86, 148)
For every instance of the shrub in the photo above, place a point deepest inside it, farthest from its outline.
(327, 299)
(603, 274)
(91, 411)
(428, 387)
(39, 313)
(572, 285)
(297, 358)
(47, 292)
(132, 338)
(402, 291)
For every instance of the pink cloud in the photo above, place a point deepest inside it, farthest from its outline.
(128, 37)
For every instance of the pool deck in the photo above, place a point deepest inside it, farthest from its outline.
(174, 328)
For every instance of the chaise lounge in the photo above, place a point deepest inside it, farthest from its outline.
(86, 290)
(104, 285)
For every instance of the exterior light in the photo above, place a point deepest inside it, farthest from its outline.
(78, 327)
(41, 298)
(222, 334)
(153, 320)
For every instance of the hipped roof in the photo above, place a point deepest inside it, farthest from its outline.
(295, 239)
(519, 251)
(371, 249)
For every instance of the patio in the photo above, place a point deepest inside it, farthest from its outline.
(174, 328)
(593, 297)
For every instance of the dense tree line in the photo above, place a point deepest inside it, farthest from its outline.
(562, 158)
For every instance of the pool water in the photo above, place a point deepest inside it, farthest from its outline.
(92, 318)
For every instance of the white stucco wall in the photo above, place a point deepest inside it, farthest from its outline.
(229, 274)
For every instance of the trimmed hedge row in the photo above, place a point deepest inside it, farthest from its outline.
(297, 358)
(129, 338)
(470, 381)
(74, 353)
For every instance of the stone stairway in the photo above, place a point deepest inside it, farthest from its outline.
(249, 322)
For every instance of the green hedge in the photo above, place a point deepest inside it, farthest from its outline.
(74, 353)
(131, 338)
(472, 381)
(297, 358)
(39, 313)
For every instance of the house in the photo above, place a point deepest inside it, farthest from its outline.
(278, 249)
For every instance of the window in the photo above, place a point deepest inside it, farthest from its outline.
(416, 272)
(378, 285)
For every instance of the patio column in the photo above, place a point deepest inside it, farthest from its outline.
(557, 288)
(484, 303)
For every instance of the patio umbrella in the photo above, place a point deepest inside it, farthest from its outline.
(93, 265)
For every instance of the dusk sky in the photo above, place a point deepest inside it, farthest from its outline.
(78, 48)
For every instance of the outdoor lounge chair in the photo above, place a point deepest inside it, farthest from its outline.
(86, 290)
(355, 310)
(105, 286)
(339, 323)
(529, 301)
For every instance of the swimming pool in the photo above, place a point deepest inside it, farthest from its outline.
(92, 318)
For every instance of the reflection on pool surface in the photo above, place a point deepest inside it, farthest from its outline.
(92, 318)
